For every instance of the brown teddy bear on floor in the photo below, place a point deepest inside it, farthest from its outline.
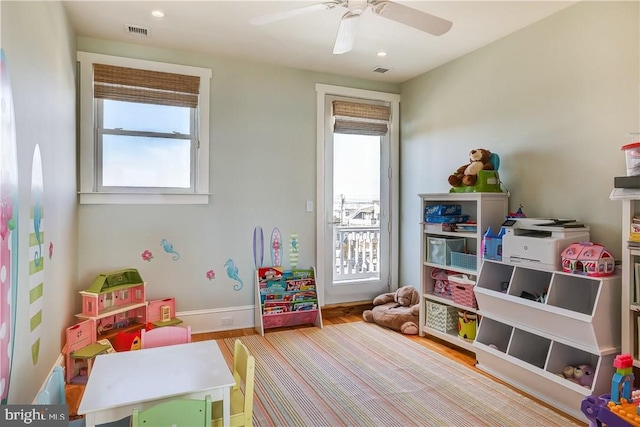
(399, 310)
(468, 174)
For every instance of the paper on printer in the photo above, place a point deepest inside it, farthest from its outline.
(538, 242)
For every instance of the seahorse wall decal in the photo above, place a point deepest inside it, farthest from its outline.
(168, 248)
(232, 272)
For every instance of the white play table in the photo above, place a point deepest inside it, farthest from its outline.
(120, 382)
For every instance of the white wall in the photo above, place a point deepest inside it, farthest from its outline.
(263, 170)
(555, 101)
(40, 51)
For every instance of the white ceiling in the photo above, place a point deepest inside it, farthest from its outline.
(306, 41)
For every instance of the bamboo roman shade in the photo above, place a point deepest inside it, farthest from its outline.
(360, 119)
(145, 86)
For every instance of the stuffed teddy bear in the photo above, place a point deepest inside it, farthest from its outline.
(399, 310)
(467, 174)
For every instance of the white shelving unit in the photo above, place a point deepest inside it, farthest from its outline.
(630, 298)
(528, 343)
(486, 209)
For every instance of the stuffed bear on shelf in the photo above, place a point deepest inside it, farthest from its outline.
(467, 174)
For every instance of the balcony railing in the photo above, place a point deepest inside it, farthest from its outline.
(356, 249)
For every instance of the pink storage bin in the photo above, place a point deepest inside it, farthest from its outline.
(462, 290)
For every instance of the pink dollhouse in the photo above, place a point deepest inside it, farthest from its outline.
(81, 349)
(162, 312)
(115, 301)
(589, 259)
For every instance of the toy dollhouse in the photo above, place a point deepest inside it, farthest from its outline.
(115, 301)
(114, 311)
(81, 349)
(589, 259)
(162, 312)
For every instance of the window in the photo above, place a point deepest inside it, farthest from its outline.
(144, 131)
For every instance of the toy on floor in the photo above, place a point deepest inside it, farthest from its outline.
(399, 310)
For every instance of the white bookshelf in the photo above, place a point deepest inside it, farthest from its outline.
(486, 209)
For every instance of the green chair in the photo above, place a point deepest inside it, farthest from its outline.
(175, 413)
(241, 402)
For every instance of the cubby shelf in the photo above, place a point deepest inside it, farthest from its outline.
(528, 342)
(486, 210)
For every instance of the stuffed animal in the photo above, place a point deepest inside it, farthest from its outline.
(399, 310)
(584, 375)
(581, 374)
(467, 174)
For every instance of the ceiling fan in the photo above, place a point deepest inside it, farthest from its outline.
(355, 8)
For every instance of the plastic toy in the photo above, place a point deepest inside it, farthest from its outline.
(492, 244)
(622, 381)
(589, 259)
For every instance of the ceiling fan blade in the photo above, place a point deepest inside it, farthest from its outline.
(347, 32)
(412, 17)
(267, 19)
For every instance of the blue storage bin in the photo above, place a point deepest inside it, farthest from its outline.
(443, 210)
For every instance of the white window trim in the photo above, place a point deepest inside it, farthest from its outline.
(88, 193)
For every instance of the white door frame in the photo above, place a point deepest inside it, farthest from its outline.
(324, 212)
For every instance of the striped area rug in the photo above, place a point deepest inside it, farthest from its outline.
(360, 374)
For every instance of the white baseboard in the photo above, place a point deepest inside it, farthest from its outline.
(216, 320)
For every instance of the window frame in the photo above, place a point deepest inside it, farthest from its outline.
(91, 191)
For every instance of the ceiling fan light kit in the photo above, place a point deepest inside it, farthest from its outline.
(347, 29)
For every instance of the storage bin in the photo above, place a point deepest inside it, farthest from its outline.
(462, 260)
(442, 210)
(439, 249)
(446, 219)
(632, 154)
(441, 317)
(462, 290)
(467, 325)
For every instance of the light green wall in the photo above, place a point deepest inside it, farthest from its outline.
(555, 101)
(263, 170)
(40, 50)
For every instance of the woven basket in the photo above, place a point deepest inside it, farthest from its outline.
(441, 317)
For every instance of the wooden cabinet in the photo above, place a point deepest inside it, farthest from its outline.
(285, 298)
(528, 343)
(458, 251)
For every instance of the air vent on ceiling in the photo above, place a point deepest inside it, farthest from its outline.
(137, 30)
(380, 70)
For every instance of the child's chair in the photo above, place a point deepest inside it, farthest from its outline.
(241, 403)
(166, 335)
(175, 413)
(54, 393)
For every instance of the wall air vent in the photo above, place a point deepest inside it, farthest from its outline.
(380, 70)
(137, 30)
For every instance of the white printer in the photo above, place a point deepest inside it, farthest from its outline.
(538, 242)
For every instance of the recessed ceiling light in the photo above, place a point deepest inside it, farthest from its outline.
(157, 14)
(382, 53)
